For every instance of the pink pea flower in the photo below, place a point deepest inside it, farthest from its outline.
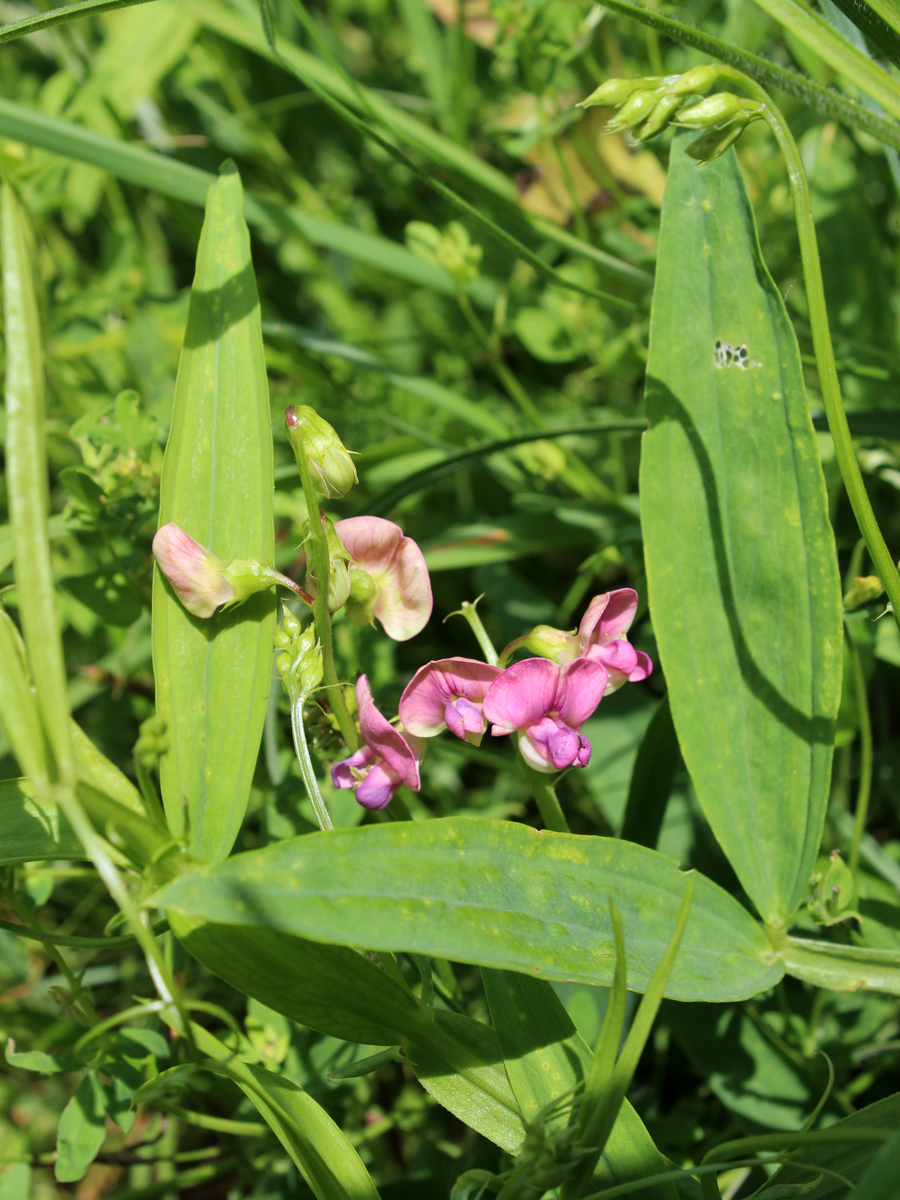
(388, 759)
(195, 573)
(601, 638)
(448, 694)
(388, 579)
(546, 704)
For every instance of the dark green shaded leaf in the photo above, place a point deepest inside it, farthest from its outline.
(82, 1128)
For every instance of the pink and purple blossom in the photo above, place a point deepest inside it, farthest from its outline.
(448, 694)
(388, 759)
(546, 704)
(401, 596)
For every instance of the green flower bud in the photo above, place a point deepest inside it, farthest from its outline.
(248, 576)
(332, 467)
(863, 590)
(338, 570)
(364, 593)
(451, 249)
(555, 644)
(635, 110)
(714, 142)
(665, 109)
(696, 82)
(718, 111)
(613, 92)
(300, 664)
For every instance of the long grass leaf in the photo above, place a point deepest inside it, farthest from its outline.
(26, 479)
(58, 16)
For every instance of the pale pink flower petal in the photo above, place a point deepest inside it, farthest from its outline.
(447, 693)
(397, 566)
(521, 695)
(551, 745)
(193, 571)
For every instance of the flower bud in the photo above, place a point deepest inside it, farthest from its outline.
(863, 590)
(635, 110)
(695, 82)
(332, 467)
(248, 576)
(555, 644)
(364, 593)
(451, 249)
(665, 109)
(718, 111)
(300, 663)
(613, 92)
(714, 143)
(338, 570)
(198, 577)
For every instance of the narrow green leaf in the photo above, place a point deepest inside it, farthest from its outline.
(82, 1128)
(316, 1145)
(95, 769)
(879, 20)
(880, 1180)
(58, 16)
(30, 829)
(213, 677)
(492, 893)
(815, 32)
(657, 761)
(26, 478)
(18, 708)
(741, 561)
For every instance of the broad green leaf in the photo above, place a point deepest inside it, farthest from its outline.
(26, 478)
(82, 1128)
(30, 829)
(851, 1161)
(213, 676)
(316, 1145)
(492, 893)
(880, 1180)
(546, 1058)
(741, 561)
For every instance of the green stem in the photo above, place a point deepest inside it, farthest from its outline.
(836, 967)
(824, 350)
(865, 752)
(306, 768)
(318, 543)
(510, 384)
(470, 612)
(546, 799)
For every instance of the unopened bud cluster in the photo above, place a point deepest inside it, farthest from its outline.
(300, 662)
(646, 106)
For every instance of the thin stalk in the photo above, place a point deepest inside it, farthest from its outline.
(306, 768)
(318, 542)
(77, 943)
(865, 753)
(81, 1000)
(822, 344)
(545, 797)
(470, 612)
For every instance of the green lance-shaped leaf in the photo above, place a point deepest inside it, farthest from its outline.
(492, 893)
(26, 479)
(316, 1145)
(212, 676)
(19, 715)
(740, 555)
(31, 829)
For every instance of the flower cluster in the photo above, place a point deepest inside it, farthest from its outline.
(544, 701)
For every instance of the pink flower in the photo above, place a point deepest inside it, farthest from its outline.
(448, 694)
(601, 638)
(195, 573)
(387, 760)
(389, 579)
(547, 703)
